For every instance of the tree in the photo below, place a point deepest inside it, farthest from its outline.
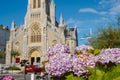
(14, 54)
(106, 38)
(2, 54)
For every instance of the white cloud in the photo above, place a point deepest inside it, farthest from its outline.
(115, 10)
(112, 6)
(107, 3)
(103, 13)
(90, 10)
(73, 22)
(107, 7)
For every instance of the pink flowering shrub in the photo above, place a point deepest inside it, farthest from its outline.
(82, 49)
(109, 55)
(58, 49)
(60, 60)
(81, 61)
(7, 78)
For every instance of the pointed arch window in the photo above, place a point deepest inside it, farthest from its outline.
(34, 3)
(39, 3)
(35, 34)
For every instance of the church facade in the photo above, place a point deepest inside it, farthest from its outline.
(39, 31)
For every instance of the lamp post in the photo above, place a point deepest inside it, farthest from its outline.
(24, 73)
(32, 76)
(87, 37)
(23, 63)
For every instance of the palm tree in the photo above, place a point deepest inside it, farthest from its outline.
(2, 54)
(14, 54)
(2, 57)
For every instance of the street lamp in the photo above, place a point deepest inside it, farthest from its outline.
(24, 63)
(88, 37)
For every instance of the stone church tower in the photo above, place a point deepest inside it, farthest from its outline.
(39, 31)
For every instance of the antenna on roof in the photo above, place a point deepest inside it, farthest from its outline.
(88, 37)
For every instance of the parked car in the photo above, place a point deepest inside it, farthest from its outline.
(32, 69)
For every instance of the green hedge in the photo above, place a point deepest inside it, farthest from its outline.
(12, 68)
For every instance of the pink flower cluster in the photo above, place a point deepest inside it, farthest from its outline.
(83, 49)
(7, 78)
(81, 61)
(107, 55)
(60, 60)
(57, 49)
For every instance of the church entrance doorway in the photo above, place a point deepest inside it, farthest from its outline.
(35, 57)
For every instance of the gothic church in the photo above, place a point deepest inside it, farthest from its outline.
(39, 31)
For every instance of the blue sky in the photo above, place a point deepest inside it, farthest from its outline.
(84, 14)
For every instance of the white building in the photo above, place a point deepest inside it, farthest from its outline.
(39, 31)
(4, 36)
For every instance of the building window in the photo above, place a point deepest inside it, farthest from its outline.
(32, 60)
(35, 34)
(34, 3)
(38, 59)
(39, 3)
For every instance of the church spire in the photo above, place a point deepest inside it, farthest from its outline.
(52, 12)
(13, 25)
(52, 3)
(61, 21)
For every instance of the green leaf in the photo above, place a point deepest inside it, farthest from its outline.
(90, 51)
(111, 75)
(96, 51)
(78, 52)
(73, 77)
(118, 78)
(116, 68)
(96, 73)
(104, 72)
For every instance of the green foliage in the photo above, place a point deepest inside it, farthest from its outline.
(67, 76)
(15, 53)
(2, 55)
(105, 72)
(78, 52)
(95, 51)
(73, 77)
(106, 38)
(13, 68)
(96, 74)
(90, 51)
(116, 68)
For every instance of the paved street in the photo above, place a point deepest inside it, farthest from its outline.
(22, 76)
